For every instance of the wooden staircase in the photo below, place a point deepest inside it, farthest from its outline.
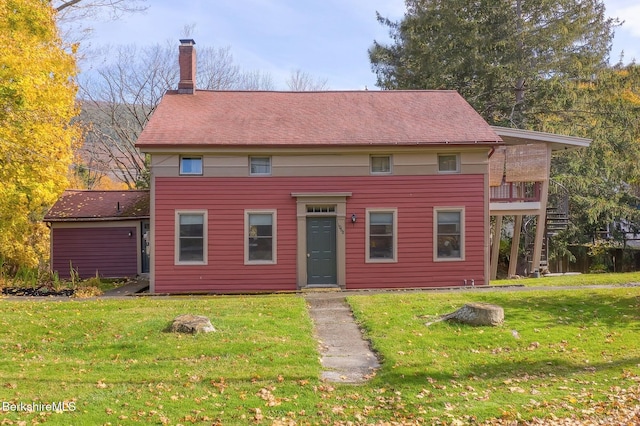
(557, 209)
(557, 220)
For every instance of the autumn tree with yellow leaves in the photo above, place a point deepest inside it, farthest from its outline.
(37, 103)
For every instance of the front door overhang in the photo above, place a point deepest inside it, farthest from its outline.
(304, 200)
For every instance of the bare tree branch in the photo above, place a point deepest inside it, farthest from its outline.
(93, 7)
(66, 4)
(301, 81)
(255, 80)
(74, 17)
(119, 98)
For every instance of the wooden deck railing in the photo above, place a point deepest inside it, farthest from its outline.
(512, 192)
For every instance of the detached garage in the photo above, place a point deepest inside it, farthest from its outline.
(100, 232)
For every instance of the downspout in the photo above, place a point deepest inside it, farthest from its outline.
(487, 226)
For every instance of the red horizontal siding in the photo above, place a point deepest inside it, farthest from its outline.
(415, 199)
(109, 252)
(226, 199)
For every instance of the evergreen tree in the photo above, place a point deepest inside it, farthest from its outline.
(509, 58)
(603, 180)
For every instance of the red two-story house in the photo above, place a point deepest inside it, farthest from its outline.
(269, 191)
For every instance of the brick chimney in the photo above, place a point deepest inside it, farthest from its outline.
(187, 62)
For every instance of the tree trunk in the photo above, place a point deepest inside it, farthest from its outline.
(475, 314)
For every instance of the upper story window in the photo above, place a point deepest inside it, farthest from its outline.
(191, 165)
(380, 164)
(449, 163)
(260, 166)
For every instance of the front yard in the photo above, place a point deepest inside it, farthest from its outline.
(112, 362)
(559, 353)
(574, 280)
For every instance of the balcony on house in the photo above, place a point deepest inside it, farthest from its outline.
(514, 192)
(516, 198)
(518, 175)
(520, 186)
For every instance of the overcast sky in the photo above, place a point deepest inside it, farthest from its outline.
(326, 38)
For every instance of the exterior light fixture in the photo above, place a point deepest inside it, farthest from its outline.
(354, 218)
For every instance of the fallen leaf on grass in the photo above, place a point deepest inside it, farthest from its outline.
(533, 346)
(265, 394)
(257, 414)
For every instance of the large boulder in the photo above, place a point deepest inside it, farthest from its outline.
(192, 324)
(475, 314)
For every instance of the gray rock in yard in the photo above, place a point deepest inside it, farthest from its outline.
(475, 314)
(192, 324)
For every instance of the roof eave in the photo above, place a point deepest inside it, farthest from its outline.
(558, 142)
(93, 219)
(175, 146)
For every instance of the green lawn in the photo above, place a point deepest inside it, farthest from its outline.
(116, 363)
(574, 280)
(558, 352)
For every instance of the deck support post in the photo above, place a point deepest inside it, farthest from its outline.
(495, 246)
(515, 246)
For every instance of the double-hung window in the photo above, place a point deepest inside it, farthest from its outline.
(260, 166)
(448, 233)
(190, 165)
(191, 237)
(382, 235)
(260, 236)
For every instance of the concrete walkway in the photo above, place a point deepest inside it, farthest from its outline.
(134, 286)
(345, 355)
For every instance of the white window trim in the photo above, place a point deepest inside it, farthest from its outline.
(457, 170)
(274, 237)
(371, 157)
(463, 242)
(182, 173)
(367, 251)
(261, 156)
(205, 240)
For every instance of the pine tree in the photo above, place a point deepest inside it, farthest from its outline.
(604, 180)
(509, 58)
